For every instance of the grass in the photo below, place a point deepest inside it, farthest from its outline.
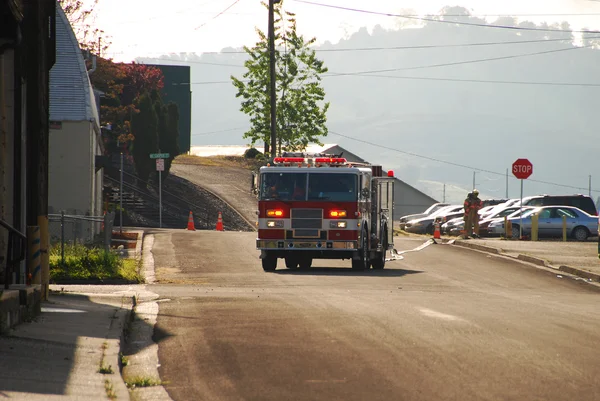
(110, 391)
(106, 370)
(89, 263)
(143, 382)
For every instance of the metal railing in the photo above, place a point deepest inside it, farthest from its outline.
(11, 260)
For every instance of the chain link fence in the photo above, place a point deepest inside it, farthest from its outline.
(65, 229)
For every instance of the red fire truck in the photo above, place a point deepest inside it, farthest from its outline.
(321, 206)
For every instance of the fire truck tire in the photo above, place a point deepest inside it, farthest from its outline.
(291, 263)
(269, 263)
(363, 263)
(379, 262)
(305, 263)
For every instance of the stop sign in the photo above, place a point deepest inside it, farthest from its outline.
(522, 169)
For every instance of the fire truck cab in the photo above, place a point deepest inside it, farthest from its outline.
(320, 206)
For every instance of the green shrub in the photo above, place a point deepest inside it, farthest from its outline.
(85, 263)
(251, 153)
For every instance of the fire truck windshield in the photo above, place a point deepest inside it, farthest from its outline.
(288, 186)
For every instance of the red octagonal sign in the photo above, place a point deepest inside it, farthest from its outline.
(522, 169)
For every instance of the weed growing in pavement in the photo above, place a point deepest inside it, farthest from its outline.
(110, 391)
(143, 382)
(106, 370)
(124, 359)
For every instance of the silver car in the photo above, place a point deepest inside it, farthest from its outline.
(580, 225)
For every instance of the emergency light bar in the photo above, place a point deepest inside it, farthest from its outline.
(330, 160)
(288, 160)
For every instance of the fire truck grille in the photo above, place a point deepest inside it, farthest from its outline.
(307, 222)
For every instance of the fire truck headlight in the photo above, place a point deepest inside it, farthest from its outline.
(337, 224)
(275, 224)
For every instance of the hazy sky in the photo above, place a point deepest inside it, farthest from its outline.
(139, 28)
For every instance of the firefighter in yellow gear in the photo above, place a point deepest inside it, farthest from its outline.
(476, 205)
(467, 216)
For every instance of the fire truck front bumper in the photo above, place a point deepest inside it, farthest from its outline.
(312, 248)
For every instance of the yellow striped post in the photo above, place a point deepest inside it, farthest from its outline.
(34, 260)
(534, 227)
(564, 228)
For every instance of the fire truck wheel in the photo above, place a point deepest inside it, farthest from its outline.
(269, 263)
(363, 263)
(305, 263)
(379, 262)
(291, 263)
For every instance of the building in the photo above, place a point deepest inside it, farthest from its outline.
(27, 52)
(75, 137)
(407, 199)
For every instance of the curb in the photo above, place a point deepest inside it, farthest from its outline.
(115, 339)
(478, 247)
(532, 259)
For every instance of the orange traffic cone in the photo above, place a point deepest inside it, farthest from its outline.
(191, 226)
(219, 222)
(436, 231)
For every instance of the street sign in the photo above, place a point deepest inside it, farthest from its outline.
(522, 169)
(159, 155)
(160, 164)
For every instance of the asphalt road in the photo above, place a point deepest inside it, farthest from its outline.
(445, 323)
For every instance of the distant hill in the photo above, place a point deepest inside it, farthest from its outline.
(430, 112)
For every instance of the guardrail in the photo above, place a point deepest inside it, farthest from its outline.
(11, 260)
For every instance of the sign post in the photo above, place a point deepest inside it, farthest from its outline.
(522, 169)
(160, 167)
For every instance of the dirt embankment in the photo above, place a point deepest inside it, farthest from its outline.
(229, 178)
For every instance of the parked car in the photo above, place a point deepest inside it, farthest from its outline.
(582, 202)
(424, 225)
(580, 225)
(430, 210)
(497, 215)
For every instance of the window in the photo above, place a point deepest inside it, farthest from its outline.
(293, 186)
(332, 186)
(283, 186)
(545, 214)
(566, 212)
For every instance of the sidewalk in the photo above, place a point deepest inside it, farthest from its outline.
(70, 351)
(578, 258)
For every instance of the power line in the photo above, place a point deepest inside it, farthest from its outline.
(517, 28)
(467, 61)
(452, 163)
(218, 15)
(479, 81)
(451, 45)
(402, 68)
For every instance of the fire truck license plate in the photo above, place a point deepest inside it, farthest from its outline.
(303, 245)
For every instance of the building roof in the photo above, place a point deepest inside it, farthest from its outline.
(71, 94)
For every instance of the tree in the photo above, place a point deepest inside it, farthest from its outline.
(168, 129)
(301, 110)
(144, 126)
(81, 14)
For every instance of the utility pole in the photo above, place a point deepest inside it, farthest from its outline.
(506, 183)
(474, 180)
(590, 186)
(272, 86)
(444, 201)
